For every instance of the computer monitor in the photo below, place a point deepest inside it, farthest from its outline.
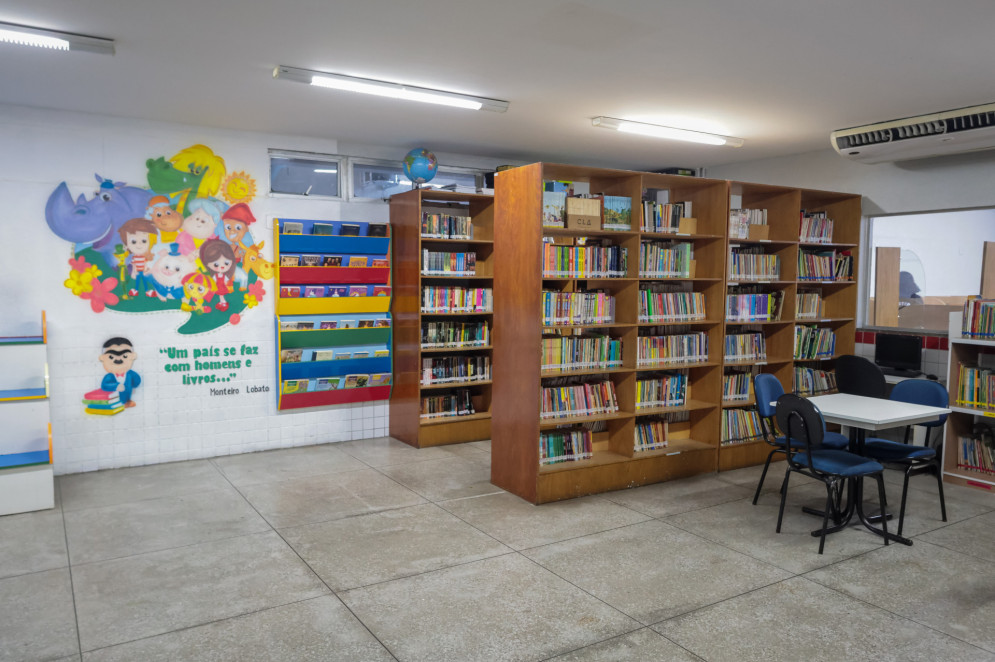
(898, 352)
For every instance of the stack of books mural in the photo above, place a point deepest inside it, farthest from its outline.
(102, 403)
(333, 324)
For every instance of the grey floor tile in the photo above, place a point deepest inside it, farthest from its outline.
(932, 585)
(519, 524)
(484, 445)
(976, 496)
(97, 534)
(36, 617)
(922, 509)
(327, 497)
(142, 596)
(799, 620)
(503, 608)
(748, 477)
(752, 530)
(449, 478)
(114, 486)
(285, 464)
(652, 571)
(384, 452)
(318, 629)
(358, 551)
(975, 536)
(641, 646)
(31, 542)
(669, 498)
(468, 450)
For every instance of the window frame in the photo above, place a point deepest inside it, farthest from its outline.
(339, 160)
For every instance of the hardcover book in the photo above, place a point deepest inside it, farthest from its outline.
(332, 261)
(328, 324)
(381, 290)
(381, 323)
(358, 290)
(305, 326)
(314, 291)
(338, 290)
(365, 324)
(323, 384)
(290, 260)
(377, 230)
(349, 230)
(323, 229)
(381, 353)
(380, 262)
(360, 355)
(347, 324)
(356, 261)
(290, 291)
(380, 379)
(290, 227)
(309, 260)
(324, 354)
(291, 355)
(343, 355)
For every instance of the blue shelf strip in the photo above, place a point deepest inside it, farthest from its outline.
(21, 340)
(333, 368)
(22, 393)
(304, 243)
(23, 459)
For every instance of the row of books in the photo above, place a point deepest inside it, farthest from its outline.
(441, 263)
(605, 261)
(449, 299)
(813, 342)
(815, 227)
(445, 405)
(567, 308)
(455, 369)
(308, 355)
(740, 426)
(446, 226)
(665, 259)
(311, 325)
(580, 352)
(979, 318)
(315, 260)
(664, 217)
(740, 221)
(760, 307)
(736, 386)
(584, 399)
(102, 403)
(975, 455)
(976, 387)
(617, 213)
(750, 263)
(328, 229)
(455, 334)
(671, 306)
(825, 265)
(650, 435)
(745, 347)
(290, 386)
(812, 381)
(320, 291)
(677, 348)
(808, 305)
(667, 390)
(565, 446)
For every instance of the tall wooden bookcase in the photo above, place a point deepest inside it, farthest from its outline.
(407, 422)
(694, 444)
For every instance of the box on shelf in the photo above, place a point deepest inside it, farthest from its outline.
(584, 213)
(687, 226)
(758, 232)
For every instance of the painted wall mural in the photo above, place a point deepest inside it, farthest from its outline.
(183, 244)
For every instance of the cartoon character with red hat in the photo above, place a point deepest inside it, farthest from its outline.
(166, 219)
(235, 226)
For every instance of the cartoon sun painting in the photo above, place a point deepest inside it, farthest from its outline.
(138, 249)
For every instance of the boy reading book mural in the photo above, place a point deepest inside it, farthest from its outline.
(117, 358)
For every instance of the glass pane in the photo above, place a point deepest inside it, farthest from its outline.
(382, 181)
(304, 176)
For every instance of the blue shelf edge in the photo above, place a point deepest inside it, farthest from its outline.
(21, 393)
(28, 459)
(336, 368)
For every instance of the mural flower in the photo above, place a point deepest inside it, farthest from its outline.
(255, 295)
(80, 282)
(78, 264)
(102, 294)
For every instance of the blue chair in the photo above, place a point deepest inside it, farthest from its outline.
(803, 423)
(768, 389)
(858, 376)
(915, 460)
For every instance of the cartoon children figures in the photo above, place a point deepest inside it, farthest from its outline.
(197, 288)
(201, 224)
(139, 236)
(237, 220)
(219, 260)
(166, 219)
(117, 358)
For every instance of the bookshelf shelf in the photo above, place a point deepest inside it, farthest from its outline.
(413, 215)
(690, 405)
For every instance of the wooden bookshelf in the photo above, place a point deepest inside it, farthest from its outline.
(406, 213)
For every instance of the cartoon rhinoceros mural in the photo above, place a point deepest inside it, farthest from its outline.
(95, 221)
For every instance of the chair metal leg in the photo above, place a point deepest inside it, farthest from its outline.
(825, 517)
(939, 485)
(784, 495)
(763, 476)
(905, 494)
(884, 504)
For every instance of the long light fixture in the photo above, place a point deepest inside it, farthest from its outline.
(23, 35)
(392, 90)
(667, 132)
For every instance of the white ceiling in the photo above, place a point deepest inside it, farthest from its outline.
(779, 73)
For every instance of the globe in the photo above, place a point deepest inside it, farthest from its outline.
(420, 165)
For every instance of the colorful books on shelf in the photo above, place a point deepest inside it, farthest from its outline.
(651, 435)
(587, 261)
(455, 334)
(677, 348)
(662, 306)
(446, 299)
(292, 386)
(665, 259)
(753, 307)
(617, 213)
(813, 342)
(441, 263)
(740, 426)
(666, 390)
(815, 228)
(976, 387)
(745, 347)
(808, 305)
(445, 405)
(825, 265)
(334, 323)
(578, 399)
(740, 221)
(580, 352)
(975, 455)
(455, 369)
(577, 308)
(751, 263)
(446, 226)
(664, 217)
(737, 386)
(103, 403)
(979, 318)
(565, 446)
(812, 381)
(554, 209)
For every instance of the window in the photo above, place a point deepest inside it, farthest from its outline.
(378, 180)
(305, 174)
(933, 265)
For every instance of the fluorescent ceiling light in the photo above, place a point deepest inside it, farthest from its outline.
(667, 132)
(330, 171)
(392, 90)
(23, 35)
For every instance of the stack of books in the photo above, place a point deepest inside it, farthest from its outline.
(103, 403)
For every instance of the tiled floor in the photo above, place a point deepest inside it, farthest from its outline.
(372, 550)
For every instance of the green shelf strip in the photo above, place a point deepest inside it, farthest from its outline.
(334, 337)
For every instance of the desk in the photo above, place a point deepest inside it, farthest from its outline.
(864, 414)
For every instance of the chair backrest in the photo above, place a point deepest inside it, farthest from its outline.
(801, 421)
(858, 376)
(767, 389)
(922, 392)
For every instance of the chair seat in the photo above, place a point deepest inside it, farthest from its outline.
(840, 463)
(828, 442)
(893, 451)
